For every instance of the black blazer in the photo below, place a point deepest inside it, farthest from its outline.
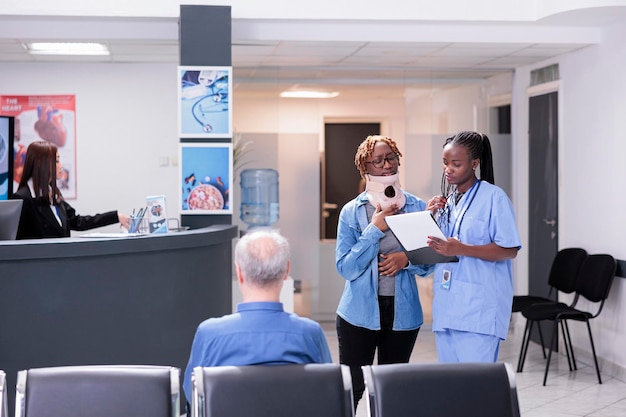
(37, 220)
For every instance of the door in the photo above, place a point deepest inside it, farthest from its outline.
(543, 195)
(340, 177)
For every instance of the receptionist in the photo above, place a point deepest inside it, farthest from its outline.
(45, 214)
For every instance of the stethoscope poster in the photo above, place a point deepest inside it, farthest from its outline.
(204, 106)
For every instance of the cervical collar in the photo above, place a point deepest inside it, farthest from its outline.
(384, 190)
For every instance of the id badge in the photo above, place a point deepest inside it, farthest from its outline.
(445, 279)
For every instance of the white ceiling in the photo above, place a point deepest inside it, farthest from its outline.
(272, 55)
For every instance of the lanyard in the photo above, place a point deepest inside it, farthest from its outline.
(466, 205)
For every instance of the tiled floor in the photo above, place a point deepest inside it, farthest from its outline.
(567, 394)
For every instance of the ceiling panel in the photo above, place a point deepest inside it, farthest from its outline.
(322, 55)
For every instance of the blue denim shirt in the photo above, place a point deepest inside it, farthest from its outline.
(357, 261)
(259, 333)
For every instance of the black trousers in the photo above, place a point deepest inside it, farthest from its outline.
(357, 345)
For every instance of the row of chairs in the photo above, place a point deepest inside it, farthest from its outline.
(573, 271)
(323, 390)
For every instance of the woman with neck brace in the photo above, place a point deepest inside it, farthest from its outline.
(379, 308)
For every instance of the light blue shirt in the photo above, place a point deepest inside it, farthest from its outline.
(480, 294)
(357, 261)
(259, 333)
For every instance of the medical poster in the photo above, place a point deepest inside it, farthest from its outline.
(51, 118)
(206, 178)
(6, 155)
(204, 106)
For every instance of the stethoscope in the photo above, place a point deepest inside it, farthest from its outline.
(459, 219)
(219, 98)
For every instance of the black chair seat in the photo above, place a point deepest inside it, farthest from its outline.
(441, 390)
(544, 311)
(553, 311)
(98, 391)
(309, 390)
(520, 302)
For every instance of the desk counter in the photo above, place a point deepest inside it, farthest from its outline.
(135, 300)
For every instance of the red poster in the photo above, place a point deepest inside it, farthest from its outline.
(51, 118)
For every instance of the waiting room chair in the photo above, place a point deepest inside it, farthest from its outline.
(3, 395)
(562, 278)
(441, 390)
(321, 390)
(98, 391)
(593, 283)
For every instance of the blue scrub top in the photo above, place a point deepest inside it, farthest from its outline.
(480, 293)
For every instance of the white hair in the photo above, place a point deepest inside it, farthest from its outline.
(262, 257)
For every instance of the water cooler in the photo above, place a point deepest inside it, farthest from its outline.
(259, 210)
(259, 197)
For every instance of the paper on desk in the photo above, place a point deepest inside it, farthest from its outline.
(110, 235)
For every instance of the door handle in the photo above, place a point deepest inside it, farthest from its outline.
(550, 222)
(329, 206)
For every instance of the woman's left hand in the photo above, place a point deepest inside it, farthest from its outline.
(392, 263)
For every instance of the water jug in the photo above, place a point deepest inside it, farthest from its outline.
(259, 197)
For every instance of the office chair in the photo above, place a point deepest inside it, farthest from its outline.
(98, 391)
(593, 283)
(3, 395)
(562, 277)
(272, 390)
(441, 390)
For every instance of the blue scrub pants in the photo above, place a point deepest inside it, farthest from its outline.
(457, 346)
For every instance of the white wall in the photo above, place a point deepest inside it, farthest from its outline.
(301, 125)
(591, 175)
(126, 122)
(591, 199)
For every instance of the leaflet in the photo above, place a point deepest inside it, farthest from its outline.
(412, 231)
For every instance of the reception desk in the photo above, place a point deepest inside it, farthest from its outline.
(135, 300)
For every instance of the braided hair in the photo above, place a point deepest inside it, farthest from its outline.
(366, 148)
(478, 147)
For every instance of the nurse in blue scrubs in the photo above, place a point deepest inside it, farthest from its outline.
(472, 297)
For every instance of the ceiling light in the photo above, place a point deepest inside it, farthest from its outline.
(66, 48)
(309, 94)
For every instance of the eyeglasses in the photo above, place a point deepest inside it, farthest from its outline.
(380, 162)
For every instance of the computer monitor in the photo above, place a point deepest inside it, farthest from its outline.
(6, 156)
(10, 211)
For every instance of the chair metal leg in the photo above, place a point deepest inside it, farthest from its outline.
(524, 348)
(566, 345)
(571, 347)
(569, 343)
(543, 345)
(593, 349)
(554, 333)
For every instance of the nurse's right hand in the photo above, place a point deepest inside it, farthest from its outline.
(438, 202)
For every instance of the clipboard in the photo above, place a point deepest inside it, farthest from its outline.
(412, 231)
